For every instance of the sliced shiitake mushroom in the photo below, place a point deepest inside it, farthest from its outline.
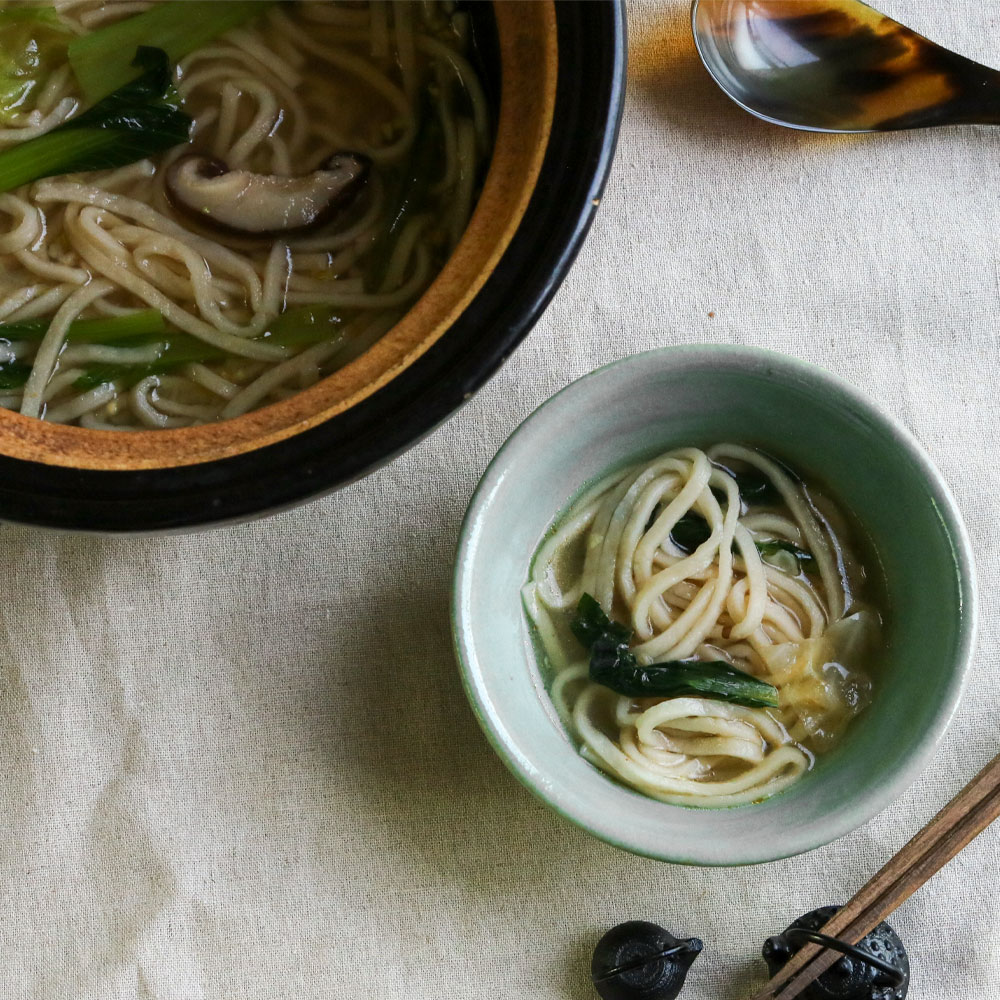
(247, 204)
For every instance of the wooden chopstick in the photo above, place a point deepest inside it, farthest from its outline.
(958, 823)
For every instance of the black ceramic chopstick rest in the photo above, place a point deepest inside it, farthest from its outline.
(638, 960)
(876, 969)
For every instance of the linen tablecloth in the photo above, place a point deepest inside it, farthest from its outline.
(240, 764)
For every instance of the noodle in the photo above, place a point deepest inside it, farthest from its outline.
(717, 558)
(278, 95)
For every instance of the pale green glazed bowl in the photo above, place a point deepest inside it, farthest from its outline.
(820, 426)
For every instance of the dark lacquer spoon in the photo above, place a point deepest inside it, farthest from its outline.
(838, 66)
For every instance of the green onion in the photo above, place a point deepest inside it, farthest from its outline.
(613, 665)
(140, 119)
(101, 59)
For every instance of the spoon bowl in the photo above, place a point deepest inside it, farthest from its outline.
(838, 66)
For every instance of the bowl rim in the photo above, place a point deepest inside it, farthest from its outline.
(855, 812)
(590, 86)
(521, 89)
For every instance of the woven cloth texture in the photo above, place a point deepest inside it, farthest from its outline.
(240, 764)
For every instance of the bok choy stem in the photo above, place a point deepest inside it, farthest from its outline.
(103, 330)
(136, 121)
(101, 59)
(108, 330)
(296, 328)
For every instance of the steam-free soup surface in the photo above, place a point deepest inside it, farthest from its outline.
(289, 180)
(706, 624)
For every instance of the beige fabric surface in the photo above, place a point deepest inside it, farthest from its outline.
(240, 764)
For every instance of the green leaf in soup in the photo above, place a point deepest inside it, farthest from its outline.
(771, 551)
(690, 532)
(296, 328)
(680, 678)
(13, 375)
(102, 59)
(613, 665)
(590, 624)
(178, 349)
(133, 327)
(756, 488)
(306, 325)
(102, 330)
(32, 44)
(139, 120)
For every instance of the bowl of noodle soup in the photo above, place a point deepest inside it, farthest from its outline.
(692, 624)
(252, 250)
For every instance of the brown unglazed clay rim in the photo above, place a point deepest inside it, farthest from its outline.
(529, 61)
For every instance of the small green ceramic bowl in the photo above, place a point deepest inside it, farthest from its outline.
(820, 426)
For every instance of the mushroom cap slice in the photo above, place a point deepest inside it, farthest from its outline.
(248, 204)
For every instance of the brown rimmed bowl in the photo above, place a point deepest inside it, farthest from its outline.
(555, 71)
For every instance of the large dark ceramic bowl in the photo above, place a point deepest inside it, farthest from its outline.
(558, 79)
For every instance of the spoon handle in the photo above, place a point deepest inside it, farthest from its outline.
(967, 93)
(838, 66)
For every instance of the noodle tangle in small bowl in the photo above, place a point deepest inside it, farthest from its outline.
(687, 618)
(705, 572)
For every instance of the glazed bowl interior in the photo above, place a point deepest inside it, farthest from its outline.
(820, 427)
(526, 66)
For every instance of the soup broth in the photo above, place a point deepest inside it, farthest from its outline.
(706, 624)
(331, 162)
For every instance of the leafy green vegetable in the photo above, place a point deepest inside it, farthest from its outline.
(805, 560)
(101, 59)
(683, 678)
(614, 666)
(298, 327)
(591, 625)
(140, 119)
(32, 43)
(306, 325)
(179, 349)
(689, 532)
(692, 530)
(755, 487)
(295, 328)
(14, 374)
(105, 330)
